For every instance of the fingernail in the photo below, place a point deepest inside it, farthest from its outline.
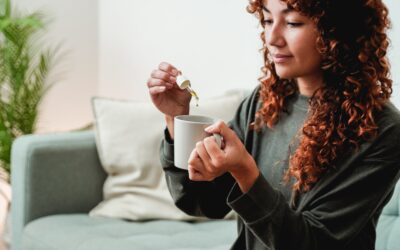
(175, 72)
(208, 128)
(172, 79)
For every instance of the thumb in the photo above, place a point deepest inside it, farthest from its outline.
(222, 129)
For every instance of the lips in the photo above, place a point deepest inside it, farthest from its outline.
(281, 58)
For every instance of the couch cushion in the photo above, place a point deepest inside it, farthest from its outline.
(388, 229)
(128, 137)
(81, 232)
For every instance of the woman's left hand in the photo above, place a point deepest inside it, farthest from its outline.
(208, 161)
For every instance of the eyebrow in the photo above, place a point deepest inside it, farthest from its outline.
(285, 11)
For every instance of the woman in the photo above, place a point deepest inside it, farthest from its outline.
(312, 155)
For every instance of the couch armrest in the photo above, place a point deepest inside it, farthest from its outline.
(54, 174)
(387, 230)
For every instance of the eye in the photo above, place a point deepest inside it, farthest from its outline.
(294, 24)
(267, 22)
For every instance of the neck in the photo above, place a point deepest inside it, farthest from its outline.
(308, 85)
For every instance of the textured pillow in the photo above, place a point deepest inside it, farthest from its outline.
(128, 136)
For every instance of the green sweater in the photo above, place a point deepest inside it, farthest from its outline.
(339, 212)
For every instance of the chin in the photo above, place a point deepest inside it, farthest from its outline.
(285, 73)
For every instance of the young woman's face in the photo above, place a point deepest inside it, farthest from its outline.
(291, 40)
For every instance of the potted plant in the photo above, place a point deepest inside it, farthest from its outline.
(24, 70)
(24, 73)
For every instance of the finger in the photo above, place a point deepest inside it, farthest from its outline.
(194, 174)
(217, 127)
(212, 146)
(204, 156)
(158, 74)
(195, 160)
(153, 82)
(169, 68)
(193, 163)
(217, 156)
(157, 90)
(222, 129)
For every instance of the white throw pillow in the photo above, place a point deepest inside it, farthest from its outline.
(128, 137)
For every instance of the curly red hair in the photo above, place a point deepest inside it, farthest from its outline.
(353, 43)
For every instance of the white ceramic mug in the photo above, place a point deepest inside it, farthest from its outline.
(188, 130)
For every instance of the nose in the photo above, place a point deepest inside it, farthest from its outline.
(275, 36)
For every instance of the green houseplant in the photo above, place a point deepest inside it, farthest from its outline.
(24, 70)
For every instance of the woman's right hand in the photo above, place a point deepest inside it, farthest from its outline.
(165, 93)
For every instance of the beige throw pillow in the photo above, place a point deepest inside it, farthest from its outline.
(128, 137)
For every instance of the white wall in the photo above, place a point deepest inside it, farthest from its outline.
(113, 46)
(214, 43)
(75, 25)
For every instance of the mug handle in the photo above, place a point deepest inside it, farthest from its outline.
(218, 139)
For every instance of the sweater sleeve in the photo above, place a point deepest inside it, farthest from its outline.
(335, 212)
(195, 198)
(198, 198)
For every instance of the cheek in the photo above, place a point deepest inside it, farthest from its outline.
(305, 50)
